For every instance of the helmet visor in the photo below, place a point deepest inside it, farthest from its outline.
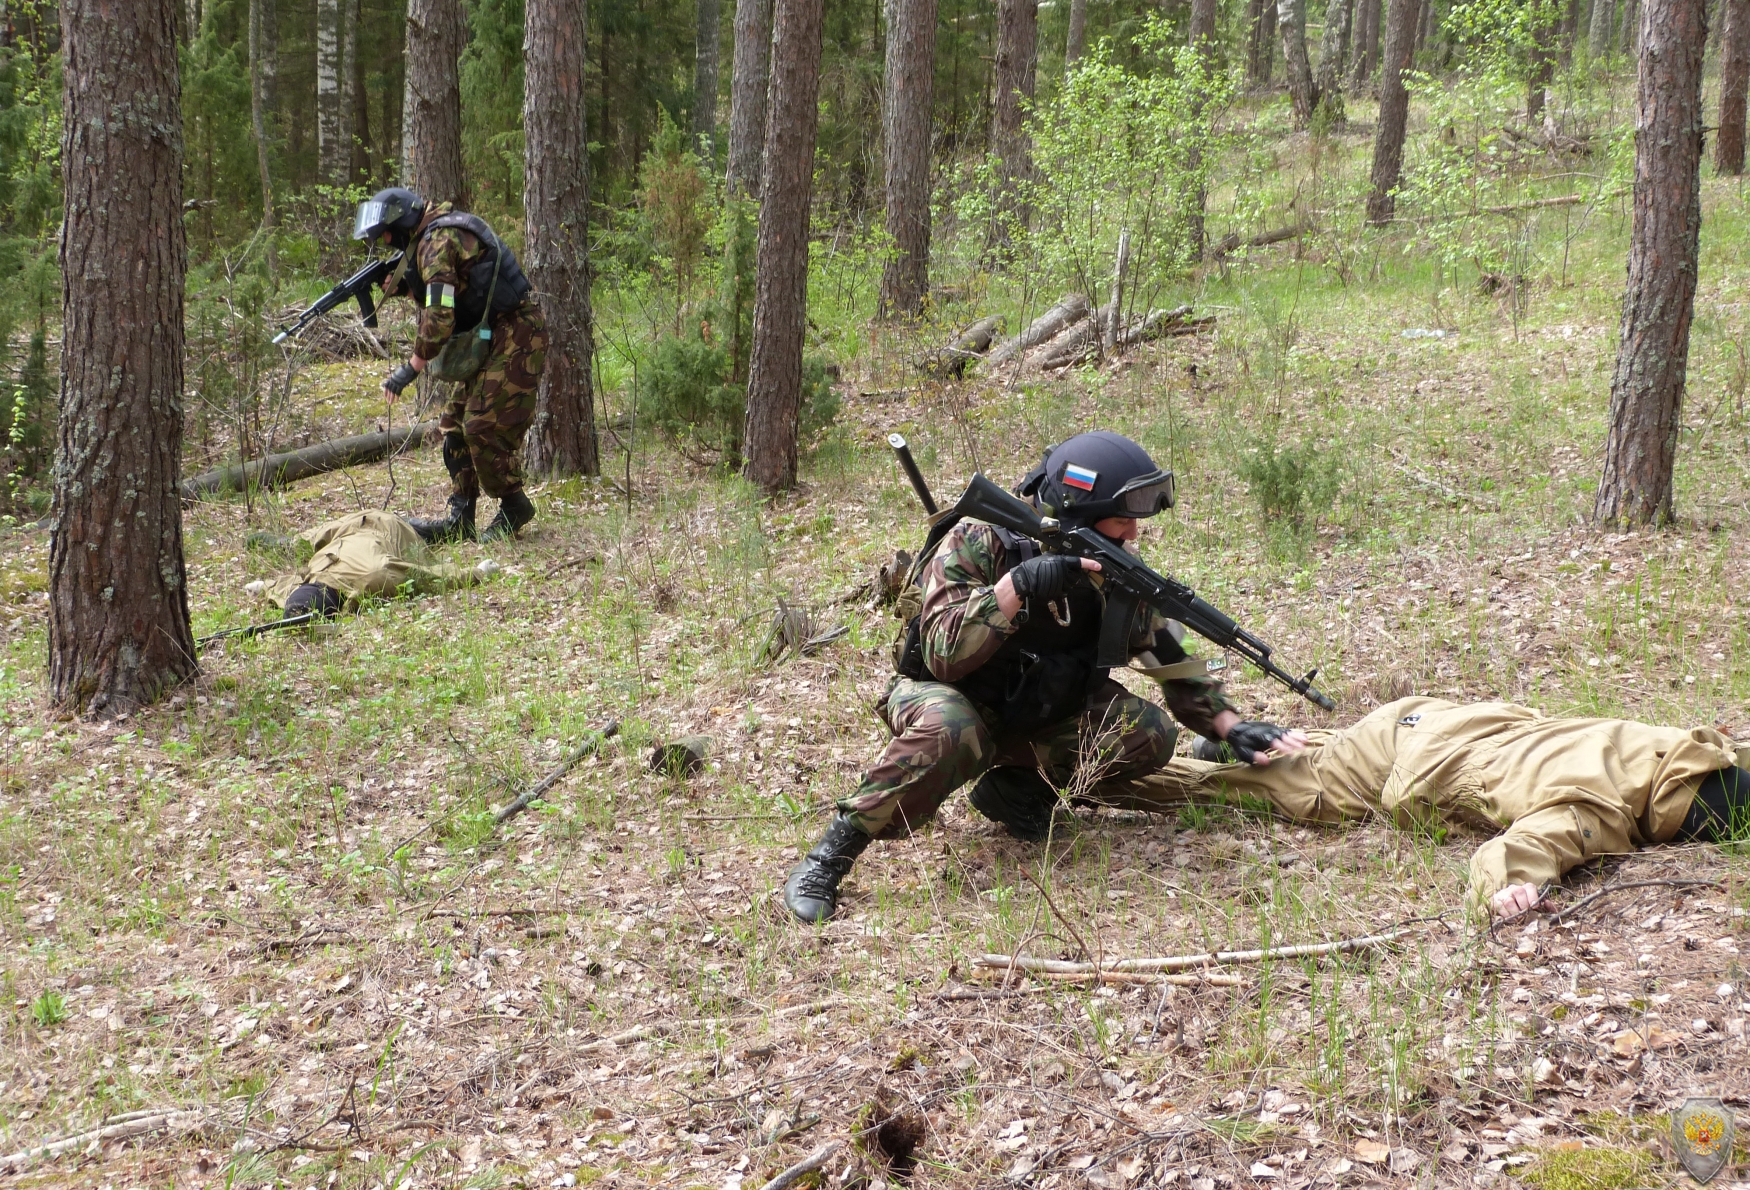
(374, 215)
(1146, 495)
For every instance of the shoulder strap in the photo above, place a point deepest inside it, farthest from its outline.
(477, 225)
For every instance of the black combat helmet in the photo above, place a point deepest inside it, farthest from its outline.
(396, 210)
(1098, 475)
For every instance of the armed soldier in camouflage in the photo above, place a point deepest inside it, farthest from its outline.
(996, 678)
(468, 284)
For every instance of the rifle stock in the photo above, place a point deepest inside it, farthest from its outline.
(1131, 582)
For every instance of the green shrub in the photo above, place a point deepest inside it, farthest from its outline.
(689, 393)
(1293, 486)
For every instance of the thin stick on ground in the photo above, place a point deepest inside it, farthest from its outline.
(1181, 962)
(804, 1167)
(1628, 884)
(138, 1124)
(584, 749)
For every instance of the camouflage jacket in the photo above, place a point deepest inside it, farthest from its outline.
(444, 255)
(961, 627)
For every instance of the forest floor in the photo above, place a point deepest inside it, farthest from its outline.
(275, 905)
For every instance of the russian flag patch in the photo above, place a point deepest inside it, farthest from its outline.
(1080, 477)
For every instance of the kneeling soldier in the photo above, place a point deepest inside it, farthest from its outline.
(997, 681)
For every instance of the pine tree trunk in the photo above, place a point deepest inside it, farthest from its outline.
(562, 437)
(1424, 25)
(118, 588)
(1543, 65)
(1366, 52)
(905, 117)
(774, 381)
(1603, 24)
(1303, 92)
(1202, 38)
(431, 128)
(358, 100)
(1734, 84)
(1335, 42)
(268, 62)
(1646, 390)
(332, 152)
(1631, 26)
(747, 95)
(1266, 45)
(705, 73)
(1394, 109)
(1013, 73)
(1076, 42)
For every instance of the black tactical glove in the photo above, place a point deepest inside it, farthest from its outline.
(1046, 577)
(1250, 739)
(400, 378)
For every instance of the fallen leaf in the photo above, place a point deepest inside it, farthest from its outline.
(1371, 1151)
(1263, 1173)
(1628, 1043)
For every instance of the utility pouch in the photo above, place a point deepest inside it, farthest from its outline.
(466, 352)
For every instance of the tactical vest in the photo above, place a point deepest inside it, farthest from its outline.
(507, 294)
(1043, 673)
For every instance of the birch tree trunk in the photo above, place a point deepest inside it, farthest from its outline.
(258, 126)
(1303, 91)
(118, 590)
(905, 116)
(431, 125)
(774, 381)
(1331, 50)
(705, 73)
(1013, 73)
(331, 152)
(1394, 110)
(1734, 84)
(1646, 390)
(562, 437)
(747, 95)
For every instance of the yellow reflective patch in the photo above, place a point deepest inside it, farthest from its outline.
(441, 295)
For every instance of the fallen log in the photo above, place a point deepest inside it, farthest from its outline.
(1048, 325)
(1232, 242)
(1071, 344)
(1183, 962)
(972, 343)
(123, 1127)
(276, 471)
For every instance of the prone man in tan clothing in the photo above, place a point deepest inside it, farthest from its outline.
(1553, 793)
(367, 554)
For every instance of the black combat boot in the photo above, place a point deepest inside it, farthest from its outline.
(514, 511)
(456, 525)
(812, 891)
(1018, 798)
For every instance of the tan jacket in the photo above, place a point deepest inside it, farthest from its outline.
(1553, 792)
(370, 554)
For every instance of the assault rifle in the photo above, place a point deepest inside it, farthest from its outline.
(257, 629)
(1130, 585)
(356, 287)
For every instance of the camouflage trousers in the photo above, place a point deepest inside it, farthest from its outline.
(494, 409)
(943, 740)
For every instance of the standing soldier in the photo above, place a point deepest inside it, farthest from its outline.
(471, 292)
(997, 678)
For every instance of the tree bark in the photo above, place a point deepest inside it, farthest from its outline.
(1630, 26)
(268, 60)
(905, 113)
(333, 154)
(1013, 73)
(747, 95)
(118, 591)
(774, 381)
(258, 126)
(1543, 65)
(1303, 91)
(1366, 52)
(431, 127)
(1261, 59)
(705, 73)
(358, 99)
(1394, 110)
(1076, 42)
(1335, 42)
(1603, 24)
(1202, 38)
(562, 437)
(1734, 85)
(1646, 390)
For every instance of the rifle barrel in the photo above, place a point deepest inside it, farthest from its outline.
(918, 485)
